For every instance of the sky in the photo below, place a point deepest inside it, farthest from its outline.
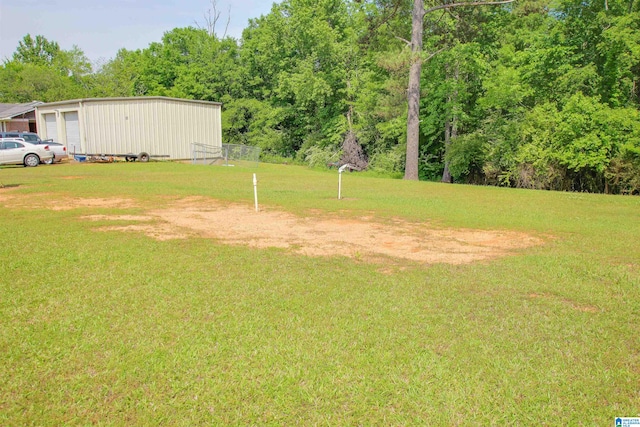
(101, 28)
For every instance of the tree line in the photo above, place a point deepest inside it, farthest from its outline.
(531, 94)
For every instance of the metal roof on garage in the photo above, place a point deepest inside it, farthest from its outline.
(131, 98)
(9, 111)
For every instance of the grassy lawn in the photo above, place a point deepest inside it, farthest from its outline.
(113, 328)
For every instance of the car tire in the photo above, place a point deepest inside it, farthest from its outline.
(50, 161)
(31, 160)
(143, 157)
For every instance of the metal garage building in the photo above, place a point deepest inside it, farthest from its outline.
(156, 125)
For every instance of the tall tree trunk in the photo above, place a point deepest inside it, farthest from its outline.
(446, 174)
(413, 93)
(451, 125)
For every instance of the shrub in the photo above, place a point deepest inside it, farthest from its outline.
(316, 156)
(388, 162)
(466, 157)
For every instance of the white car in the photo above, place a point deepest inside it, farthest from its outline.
(15, 151)
(58, 150)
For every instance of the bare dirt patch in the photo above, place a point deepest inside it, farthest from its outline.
(118, 217)
(76, 202)
(362, 238)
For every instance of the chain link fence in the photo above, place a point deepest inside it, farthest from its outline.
(225, 155)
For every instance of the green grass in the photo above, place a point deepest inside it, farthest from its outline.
(120, 329)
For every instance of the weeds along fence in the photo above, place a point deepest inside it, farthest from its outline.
(225, 155)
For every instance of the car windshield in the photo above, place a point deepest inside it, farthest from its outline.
(30, 138)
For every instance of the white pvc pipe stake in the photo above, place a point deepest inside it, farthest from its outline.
(340, 170)
(255, 190)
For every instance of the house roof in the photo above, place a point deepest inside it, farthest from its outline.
(8, 111)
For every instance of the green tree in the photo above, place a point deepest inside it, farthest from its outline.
(301, 60)
(413, 91)
(38, 51)
(40, 70)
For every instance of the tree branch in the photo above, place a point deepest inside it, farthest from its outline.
(226, 28)
(475, 3)
(404, 40)
(432, 55)
(373, 26)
